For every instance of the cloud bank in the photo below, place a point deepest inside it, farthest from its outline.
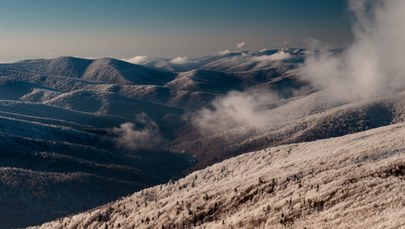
(374, 63)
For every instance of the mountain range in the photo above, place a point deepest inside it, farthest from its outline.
(80, 133)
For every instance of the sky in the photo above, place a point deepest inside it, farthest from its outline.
(163, 28)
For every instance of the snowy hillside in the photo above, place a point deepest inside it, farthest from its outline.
(51, 168)
(300, 119)
(355, 181)
(60, 137)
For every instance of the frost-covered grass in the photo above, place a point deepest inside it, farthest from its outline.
(355, 181)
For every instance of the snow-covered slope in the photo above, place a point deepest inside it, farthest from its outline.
(120, 72)
(355, 181)
(205, 81)
(165, 95)
(110, 103)
(99, 70)
(52, 165)
(57, 122)
(300, 119)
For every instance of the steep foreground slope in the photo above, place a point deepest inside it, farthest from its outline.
(354, 181)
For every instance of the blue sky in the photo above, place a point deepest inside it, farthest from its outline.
(126, 28)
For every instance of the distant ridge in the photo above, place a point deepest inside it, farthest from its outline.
(99, 70)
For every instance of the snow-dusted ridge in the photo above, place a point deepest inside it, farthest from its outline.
(355, 181)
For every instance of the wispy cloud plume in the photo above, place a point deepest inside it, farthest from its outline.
(373, 64)
(131, 137)
(236, 109)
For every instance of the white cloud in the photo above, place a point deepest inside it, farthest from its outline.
(279, 56)
(236, 109)
(180, 60)
(130, 137)
(137, 60)
(241, 45)
(373, 64)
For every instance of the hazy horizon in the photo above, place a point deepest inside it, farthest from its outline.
(124, 29)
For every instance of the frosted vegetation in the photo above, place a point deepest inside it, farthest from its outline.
(355, 181)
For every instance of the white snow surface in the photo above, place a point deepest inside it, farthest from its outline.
(354, 181)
